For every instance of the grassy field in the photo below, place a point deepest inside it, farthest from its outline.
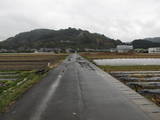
(19, 72)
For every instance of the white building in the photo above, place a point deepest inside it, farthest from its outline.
(154, 50)
(124, 48)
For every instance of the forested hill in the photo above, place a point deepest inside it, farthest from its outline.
(154, 39)
(146, 43)
(64, 38)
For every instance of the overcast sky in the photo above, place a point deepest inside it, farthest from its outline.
(118, 19)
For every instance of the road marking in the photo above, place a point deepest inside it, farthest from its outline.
(43, 105)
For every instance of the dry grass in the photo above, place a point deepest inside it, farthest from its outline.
(107, 55)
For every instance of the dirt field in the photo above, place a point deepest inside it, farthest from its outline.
(107, 55)
(146, 83)
(28, 61)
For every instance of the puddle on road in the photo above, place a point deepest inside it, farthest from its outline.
(147, 83)
(86, 65)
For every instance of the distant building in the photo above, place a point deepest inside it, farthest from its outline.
(89, 50)
(141, 50)
(124, 48)
(154, 50)
(49, 50)
(3, 50)
(69, 50)
(113, 50)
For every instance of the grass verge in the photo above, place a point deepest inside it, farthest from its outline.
(11, 90)
(17, 88)
(109, 68)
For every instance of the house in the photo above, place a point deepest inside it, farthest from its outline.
(141, 50)
(124, 48)
(113, 50)
(154, 50)
(46, 50)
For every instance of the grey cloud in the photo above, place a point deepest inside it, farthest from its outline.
(119, 19)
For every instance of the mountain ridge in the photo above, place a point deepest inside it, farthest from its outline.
(63, 38)
(145, 44)
(154, 39)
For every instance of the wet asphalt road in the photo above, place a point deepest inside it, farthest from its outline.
(74, 91)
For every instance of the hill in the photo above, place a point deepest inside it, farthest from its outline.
(143, 43)
(154, 40)
(63, 38)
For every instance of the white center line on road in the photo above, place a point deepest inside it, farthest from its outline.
(43, 105)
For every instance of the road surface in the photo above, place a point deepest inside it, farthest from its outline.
(77, 90)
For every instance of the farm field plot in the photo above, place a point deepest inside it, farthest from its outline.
(92, 56)
(147, 83)
(108, 55)
(144, 79)
(128, 61)
(28, 61)
(19, 72)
